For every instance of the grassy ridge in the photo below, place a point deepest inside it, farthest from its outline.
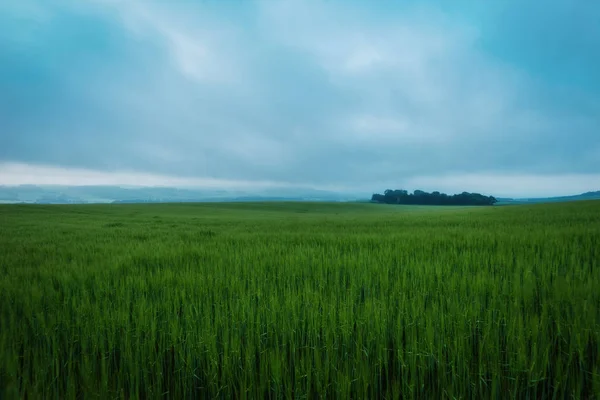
(296, 300)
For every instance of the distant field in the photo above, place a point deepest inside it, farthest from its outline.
(299, 300)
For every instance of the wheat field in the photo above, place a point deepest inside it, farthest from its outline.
(299, 300)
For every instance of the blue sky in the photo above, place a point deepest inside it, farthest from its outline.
(500, 97)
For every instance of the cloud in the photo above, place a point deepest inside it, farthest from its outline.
(196, 50)
(13, 174)
(298, 92)
(504, 185)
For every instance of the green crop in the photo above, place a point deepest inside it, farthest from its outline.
(299, 300)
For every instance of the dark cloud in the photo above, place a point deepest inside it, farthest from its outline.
(378, 95)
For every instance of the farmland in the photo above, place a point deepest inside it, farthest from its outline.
(299, 300)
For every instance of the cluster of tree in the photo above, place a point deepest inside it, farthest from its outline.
(434, 199)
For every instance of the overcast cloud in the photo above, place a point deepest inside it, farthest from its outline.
(345, 95)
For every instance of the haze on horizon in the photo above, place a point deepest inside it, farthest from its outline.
(498, 97)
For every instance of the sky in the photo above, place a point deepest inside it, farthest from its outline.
(498, 97)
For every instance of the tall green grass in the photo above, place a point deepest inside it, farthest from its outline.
(299, 300)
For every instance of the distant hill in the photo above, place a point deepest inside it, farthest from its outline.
(577, 197)
(54, 194)
(43, 194)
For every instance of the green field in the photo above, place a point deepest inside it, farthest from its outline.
(299, 300)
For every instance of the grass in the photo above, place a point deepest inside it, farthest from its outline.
(299, 300)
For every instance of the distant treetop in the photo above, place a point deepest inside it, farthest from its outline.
(419, 197)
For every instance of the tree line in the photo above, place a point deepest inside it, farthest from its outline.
(419, 197)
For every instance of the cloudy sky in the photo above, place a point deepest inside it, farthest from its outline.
(500, 97)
